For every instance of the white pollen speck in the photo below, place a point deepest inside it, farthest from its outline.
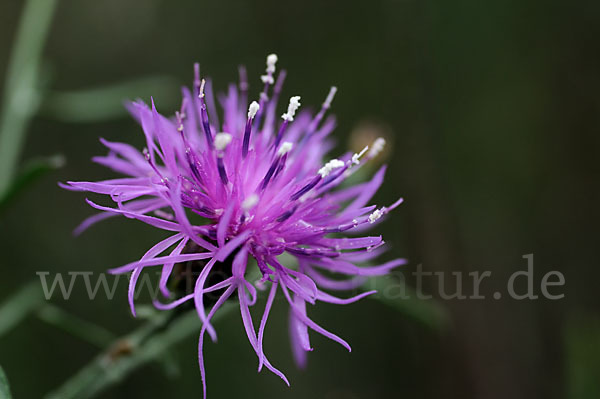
(285, 148)
(249, 202)
(222, 140)
(329, 166)
(292, 108)
(378, 213)
(253, 109)
(330, 96)
(378, 146)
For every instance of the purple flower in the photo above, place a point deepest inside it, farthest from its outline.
(257, 188)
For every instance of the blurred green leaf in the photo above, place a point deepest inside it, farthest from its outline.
(15, 309)
(34, 170)
(144, 345)
(394, 292)
(170, 366)
(83, 329)
(105, 103)
(146, 312)
(21, 95)
(4, 387)
(583, 357)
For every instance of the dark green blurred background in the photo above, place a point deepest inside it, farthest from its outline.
(494, 111)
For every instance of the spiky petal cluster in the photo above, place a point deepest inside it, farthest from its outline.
(261, 189)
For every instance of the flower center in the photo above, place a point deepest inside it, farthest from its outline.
(185, 274)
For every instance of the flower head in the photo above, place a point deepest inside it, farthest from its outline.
(261, 189)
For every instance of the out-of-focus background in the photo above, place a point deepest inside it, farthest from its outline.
(492, 114)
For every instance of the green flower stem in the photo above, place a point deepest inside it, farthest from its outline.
(21, 93)
(147, 343)
(76, 326)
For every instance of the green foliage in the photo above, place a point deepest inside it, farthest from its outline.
(15, 309)
(583, 357)
(147, 343)
(32, 172)
(106, 102)
(22, 96)
(83, 329)
(395, 293)
(4, 387)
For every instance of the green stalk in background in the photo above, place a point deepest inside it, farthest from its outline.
(4, 387)
(21, 93)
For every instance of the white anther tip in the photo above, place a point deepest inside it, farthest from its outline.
(249, 202)
(356, 157)
(267, 79)
(330, 96)
(222, 140)
(271, 59)
(378, 146)
(285, 148)
(330, 166)
(292, 108)
(376, 215)
(253, 109)
(201, 91)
